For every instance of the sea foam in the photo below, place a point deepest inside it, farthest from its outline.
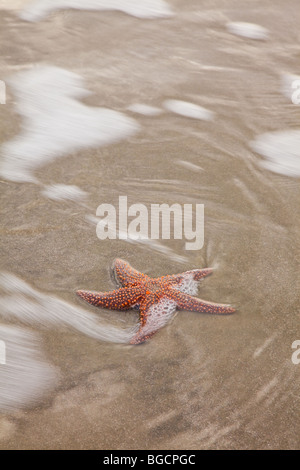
(281, 150)
(24, 375)
(60, 192)
(138, 8)
(191, 110)
(26, 304)
(55, 123)
(248, 30)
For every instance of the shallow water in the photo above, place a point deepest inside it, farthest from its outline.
(170, 108)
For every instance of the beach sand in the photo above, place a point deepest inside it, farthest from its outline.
(203, 381)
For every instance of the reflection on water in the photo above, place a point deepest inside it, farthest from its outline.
(202, 381)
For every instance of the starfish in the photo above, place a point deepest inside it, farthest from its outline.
(157, 299)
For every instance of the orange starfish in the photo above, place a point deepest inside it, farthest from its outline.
(157, 299)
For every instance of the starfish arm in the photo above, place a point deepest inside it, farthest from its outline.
(126, 275)
(195, 274)
(187, 302)
(153, 316)
(199, 274)
(188, 281)
(140, 337)
(121, 299)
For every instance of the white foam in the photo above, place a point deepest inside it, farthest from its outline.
(188, 285)
(187, 109)
(282, 151)
(55, 123)
(26, 304)
(138, 8)
(26, 375)
(144, 109)
(159, 315)
(59, 192)
(290, 83)
(248, 30)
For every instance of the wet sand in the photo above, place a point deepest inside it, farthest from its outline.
(202, 382)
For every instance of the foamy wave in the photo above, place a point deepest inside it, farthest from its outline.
(282, 150)
(139, 8)
(25, 375)
(59, 192)
(248, 30)
(191, 110)
(144, 109)
(290, 83)
(26, 304)
(55, 122)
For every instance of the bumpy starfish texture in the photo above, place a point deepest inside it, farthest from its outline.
(157, 299)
